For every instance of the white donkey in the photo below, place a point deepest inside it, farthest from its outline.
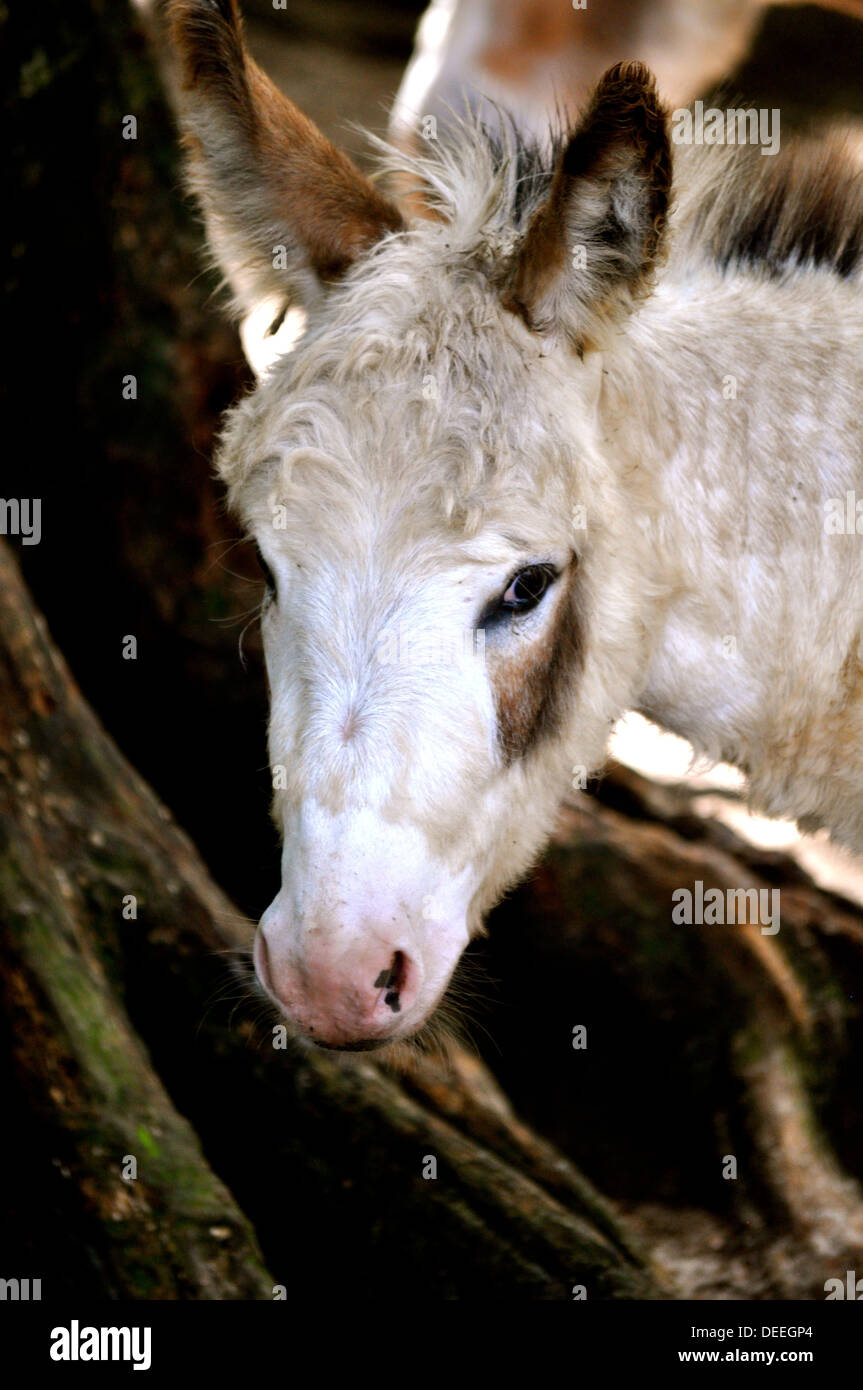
(546, 456)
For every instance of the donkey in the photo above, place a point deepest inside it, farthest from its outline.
(556, 451)
(532, 57)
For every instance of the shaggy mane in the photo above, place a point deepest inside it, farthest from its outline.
(733, 205)
(800, 207)
(478, 179)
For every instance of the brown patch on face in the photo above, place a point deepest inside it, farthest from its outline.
(530, 682)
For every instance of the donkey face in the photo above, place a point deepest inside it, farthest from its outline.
(444, 639)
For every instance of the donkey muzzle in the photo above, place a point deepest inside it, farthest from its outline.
(352, 994)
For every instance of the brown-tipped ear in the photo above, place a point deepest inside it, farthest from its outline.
(591, 247)
(286, 211)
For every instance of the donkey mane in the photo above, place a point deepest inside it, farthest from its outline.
(479, 179)
(732, 205)
(803, 206)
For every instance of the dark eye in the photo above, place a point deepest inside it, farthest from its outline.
(524, 591)
(269, 577)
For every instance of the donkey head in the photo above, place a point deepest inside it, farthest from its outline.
(447, 642)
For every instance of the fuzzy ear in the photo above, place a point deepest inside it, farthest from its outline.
(285, 210)
(591, 248)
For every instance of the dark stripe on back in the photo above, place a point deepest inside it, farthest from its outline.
(801, 206)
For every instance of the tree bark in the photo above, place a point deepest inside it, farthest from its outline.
(734, 1043)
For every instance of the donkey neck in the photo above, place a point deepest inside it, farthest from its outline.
(756, 651)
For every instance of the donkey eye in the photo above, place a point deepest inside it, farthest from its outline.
(269, 577)
(525, 590)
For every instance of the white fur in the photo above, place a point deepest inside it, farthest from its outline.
(418, 445)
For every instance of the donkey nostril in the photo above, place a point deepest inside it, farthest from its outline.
(393, 981)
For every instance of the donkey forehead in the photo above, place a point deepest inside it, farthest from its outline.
(423, 332)
(376, 501)
(437, 408)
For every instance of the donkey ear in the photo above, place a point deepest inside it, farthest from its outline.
(590, 249)
(285, 210)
